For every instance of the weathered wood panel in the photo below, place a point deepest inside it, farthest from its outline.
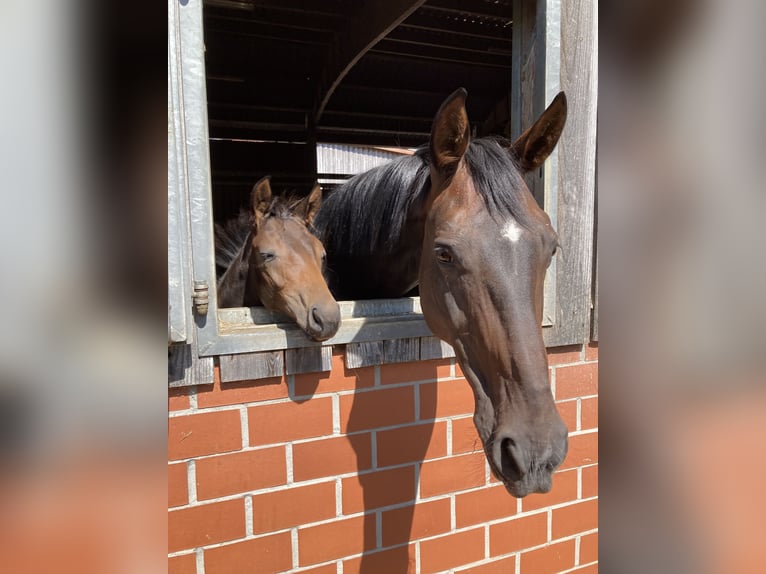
(577, 163)
(435, 348)
(308, 360)
(186, 369)
(401, 350)
(594, 326)
(364, 354)
(250, 366)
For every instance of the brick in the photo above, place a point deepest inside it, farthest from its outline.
(185, 564)
(178, 485)
(589, 414)
(583, 450)
(178, 399)
(452, 550)
(340, 378)
(378, 408)
(412, 443)
(549, 560)
(483, 505)
(591, 351)
(564, 355)
(366, 491)
(501, 566)
(576, 381)
(395, 373)
(267, 554)
(446, 399)
(589, 548)
(590, 481)
(282, 422)
(222, 394)
(518, 533)
(326, 569)
(452, 474)
(416, 521)
(206, 524)
(464, 436)
(332, 456)
(293, 507)
(205, 433)
(240, 472)
(568, 412)
(564, 490)
(592, 569)
(394, 561)
(575, 518)
(335, 540)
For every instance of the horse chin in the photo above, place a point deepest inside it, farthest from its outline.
(539, 484)
(318, 337)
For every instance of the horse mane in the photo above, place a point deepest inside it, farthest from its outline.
(368, 213)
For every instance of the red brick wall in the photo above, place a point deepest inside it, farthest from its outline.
(373, 470)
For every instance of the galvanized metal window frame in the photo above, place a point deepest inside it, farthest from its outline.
(190, 224)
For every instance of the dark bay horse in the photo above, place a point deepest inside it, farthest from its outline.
(273, 259)
(457, 220)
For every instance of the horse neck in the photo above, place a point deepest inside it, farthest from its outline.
(250, 288)
(235, 287)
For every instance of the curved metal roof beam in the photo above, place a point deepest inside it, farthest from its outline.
(374, 21)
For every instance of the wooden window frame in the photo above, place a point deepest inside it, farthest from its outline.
(544, 50)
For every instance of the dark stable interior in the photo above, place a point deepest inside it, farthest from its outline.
(283, 75)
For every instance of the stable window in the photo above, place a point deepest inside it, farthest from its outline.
(217, 112)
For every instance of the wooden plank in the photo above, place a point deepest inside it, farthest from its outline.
(535, 82)
(308, 360)
(435, 348)
(577, 173)
(401, 350)
(364, 354)
(185, 369)
(251, 366)
(594, 320)
(594, 325)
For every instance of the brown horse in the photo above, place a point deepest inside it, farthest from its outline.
(273, 259)
(458, 219)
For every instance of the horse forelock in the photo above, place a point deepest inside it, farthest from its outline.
(498, 179)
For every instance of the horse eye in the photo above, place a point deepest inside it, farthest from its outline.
(266, 257)
(443, 255)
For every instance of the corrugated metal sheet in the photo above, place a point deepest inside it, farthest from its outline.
(336, 162)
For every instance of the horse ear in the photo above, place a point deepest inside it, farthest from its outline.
(534, 146)
(260, 199)
(308, 207)
(450, 132)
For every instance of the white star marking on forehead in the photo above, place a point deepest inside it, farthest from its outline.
(512, 231)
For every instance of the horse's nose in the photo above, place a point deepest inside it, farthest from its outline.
(525, 468)
(323, 323)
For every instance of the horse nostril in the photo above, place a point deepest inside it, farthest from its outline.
(316, 319)
(512, 460)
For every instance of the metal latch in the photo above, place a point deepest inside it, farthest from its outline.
(200, 297)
